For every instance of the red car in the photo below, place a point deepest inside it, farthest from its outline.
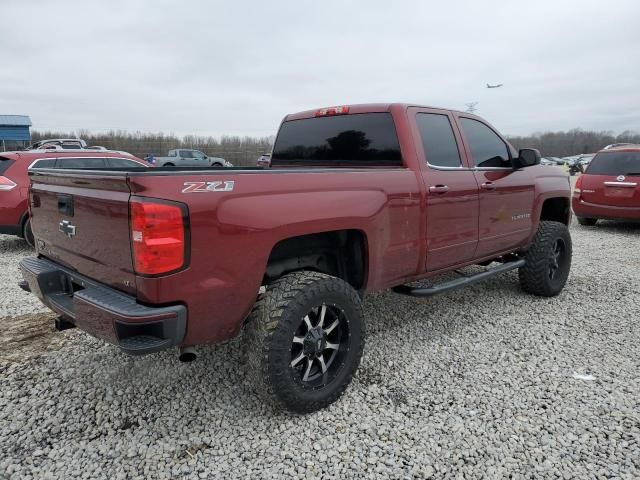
(14, 182)
(357, 199)
(610, 187)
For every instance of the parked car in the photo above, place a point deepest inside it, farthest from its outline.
(59, 143)
(615, 145)
(572, 164)
(569, 161)
(264, 161)
(548, 161)
(610, 187)
(556, 160)
(585, 160)
(14, 182)
(184, 157)
(358, 199)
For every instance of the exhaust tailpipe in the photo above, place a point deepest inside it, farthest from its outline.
(187, 354)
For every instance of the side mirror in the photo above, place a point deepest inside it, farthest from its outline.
(527, 157)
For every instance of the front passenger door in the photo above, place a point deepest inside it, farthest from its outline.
(506, 195)
(201, 160)
(187, 159)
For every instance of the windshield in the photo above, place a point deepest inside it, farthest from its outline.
(345, 140)
(615, 163)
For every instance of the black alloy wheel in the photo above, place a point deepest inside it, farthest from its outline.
(319, 345)
(304, 340)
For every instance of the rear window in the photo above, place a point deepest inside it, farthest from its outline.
(366, 139)
(615, 163)
(5, 163)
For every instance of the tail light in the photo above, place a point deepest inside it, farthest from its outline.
(6, 184)
(159, 236)
(325, 112)
(577, 190)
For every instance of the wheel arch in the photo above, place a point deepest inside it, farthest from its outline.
(22, 222)
(557, 209)
(341, 253)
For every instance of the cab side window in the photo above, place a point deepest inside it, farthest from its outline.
(186, 154)
(438, 140)
(487, 148)
(79, 162)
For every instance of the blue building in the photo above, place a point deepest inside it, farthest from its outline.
(14, 132)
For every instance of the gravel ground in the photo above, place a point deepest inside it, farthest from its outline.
(13, 301)
(486, 382)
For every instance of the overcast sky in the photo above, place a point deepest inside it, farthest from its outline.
(214, 68)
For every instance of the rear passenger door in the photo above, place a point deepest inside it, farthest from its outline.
(451, 191)
(506, 195)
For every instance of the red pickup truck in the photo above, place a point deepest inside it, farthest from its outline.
(358, 198)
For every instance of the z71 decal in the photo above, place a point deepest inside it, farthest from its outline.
(204, 187)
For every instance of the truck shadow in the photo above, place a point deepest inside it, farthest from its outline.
(12, 244)
(614, 226)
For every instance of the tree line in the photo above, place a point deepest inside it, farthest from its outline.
(243, 151)
(573, 142)
(240, 151)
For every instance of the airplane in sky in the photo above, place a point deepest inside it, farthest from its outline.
(494, 86)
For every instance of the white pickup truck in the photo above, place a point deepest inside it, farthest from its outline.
(184, 157)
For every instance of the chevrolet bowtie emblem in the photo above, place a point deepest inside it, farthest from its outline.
(67, 228)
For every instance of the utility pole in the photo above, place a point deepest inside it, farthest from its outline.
(471, 107)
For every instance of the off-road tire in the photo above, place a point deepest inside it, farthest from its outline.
(586, 221)
(27, 233)
(271, 328)
(535, 276)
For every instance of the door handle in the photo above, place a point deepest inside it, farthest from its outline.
(621, 184)
(438, 189)
(488, 186)
(65, 204)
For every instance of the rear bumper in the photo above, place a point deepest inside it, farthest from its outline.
(102, 311)
(593, 210)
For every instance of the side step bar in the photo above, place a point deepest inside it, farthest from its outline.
(458, 282)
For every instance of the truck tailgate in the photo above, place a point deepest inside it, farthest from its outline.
(82, 222)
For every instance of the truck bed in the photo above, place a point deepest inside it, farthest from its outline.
(231, 233)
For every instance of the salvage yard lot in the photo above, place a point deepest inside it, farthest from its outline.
(487, 381)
